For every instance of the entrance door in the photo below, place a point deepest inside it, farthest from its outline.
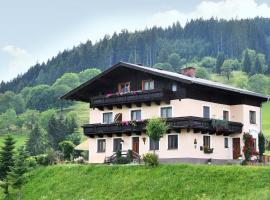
(236, 148)
(135, 144)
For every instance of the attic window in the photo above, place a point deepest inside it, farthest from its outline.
(148, 85)
(174, 87)
(124, 87)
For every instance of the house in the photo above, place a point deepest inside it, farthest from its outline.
(206, 119)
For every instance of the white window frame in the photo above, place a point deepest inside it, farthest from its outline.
(113, 143)
(97, 139)
(210, 110)
(228, 143)
(229, 117)
(211, 140)
(113, 115)
(178, 142)
(165, 106)
(134, 109)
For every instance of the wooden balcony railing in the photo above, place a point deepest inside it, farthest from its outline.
(198, 124)
(136, 97)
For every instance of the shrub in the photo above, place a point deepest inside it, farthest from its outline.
(67, 148)
(54, 157)
(42, 159)
(79, 160)
(150, 159)
(122, 160)
(31, 162)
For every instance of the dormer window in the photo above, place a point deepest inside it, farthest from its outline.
(124, 87)
(147, 84)
(174, 87)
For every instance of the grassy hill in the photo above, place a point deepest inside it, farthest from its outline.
(69, 182)
(266, 119)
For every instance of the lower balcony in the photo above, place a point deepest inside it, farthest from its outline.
(197, 124)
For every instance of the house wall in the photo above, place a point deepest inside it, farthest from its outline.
(186, 147)
(180, 108)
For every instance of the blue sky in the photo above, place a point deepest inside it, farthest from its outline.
(34, 30)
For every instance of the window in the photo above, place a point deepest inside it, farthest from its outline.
(148, 84)
(172, 141)
(206, 141)
(117, 144)
(101, 145)
(136, 115)
(226, 142)
(225, 115)
(174, 87)
(206, 112)
(166, 112)
(252, 117)
(124, 87)
(107, 118)
(154, 144)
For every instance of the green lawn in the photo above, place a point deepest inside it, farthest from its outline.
(70, 182)
(266, 119)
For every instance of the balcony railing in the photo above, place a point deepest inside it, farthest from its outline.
(198, 124)
(131, 97)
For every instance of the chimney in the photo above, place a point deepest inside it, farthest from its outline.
(189, 71)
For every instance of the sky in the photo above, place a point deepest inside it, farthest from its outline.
(33, 31)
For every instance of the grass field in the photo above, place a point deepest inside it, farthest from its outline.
(70, 182)
(266, 119)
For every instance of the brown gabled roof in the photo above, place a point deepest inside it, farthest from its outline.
(163, 73)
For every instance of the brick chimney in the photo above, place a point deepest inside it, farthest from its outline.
(189, 71)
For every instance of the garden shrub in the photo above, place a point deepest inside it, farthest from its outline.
(31, 162)
(150, 159)
(42, 159)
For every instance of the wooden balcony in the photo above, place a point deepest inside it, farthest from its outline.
(136, 97)
(197, 124)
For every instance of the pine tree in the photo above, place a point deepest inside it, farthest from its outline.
(247, 64)
(16, 176)
(37, 142)
(220, 61)
(6, 162)
(258, 66)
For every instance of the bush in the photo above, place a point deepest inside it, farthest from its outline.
(67, 148)
(79, 160)
(31, 162)
(122, 160)
(54, 157)
(150, 159)
(42, 159)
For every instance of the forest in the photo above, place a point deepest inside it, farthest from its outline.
(197, 39)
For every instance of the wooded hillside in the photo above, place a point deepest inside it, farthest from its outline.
(199, 38)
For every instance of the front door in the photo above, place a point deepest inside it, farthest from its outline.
(236, 148)
(135, 144)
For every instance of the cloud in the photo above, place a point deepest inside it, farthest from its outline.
(18, 62)
(225, 9)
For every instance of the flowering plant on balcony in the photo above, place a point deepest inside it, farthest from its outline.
(126, 123)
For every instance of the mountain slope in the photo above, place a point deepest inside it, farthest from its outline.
(197, 39)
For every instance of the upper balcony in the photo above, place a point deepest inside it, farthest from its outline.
(129, 98)
(198, 124)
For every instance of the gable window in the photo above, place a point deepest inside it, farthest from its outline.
(101, 145)
(124, 87)
(136, 115)
(154, 145)
(226, 142)
(226, 115)
(172, 141)
(107, 118)
(206, 112)
(252, 117)
(148, 84)
(206, 141)
(117, 144)
(166, 112)
(174, 87)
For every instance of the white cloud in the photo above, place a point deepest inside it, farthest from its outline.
(225, 9)
(19, 61)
